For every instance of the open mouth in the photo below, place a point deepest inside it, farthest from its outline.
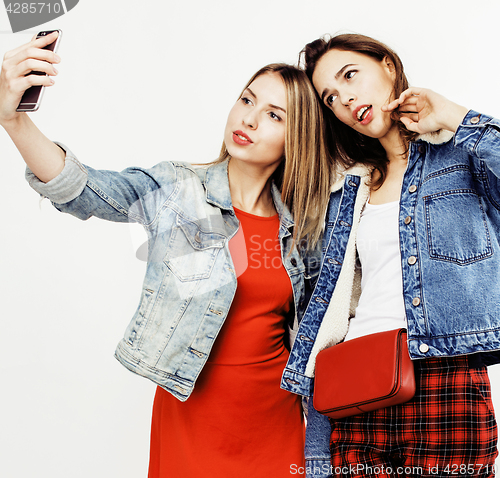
(239, 137)
(363, 113)
(243, 138)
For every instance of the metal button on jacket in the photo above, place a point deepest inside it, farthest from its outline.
(416, 301)
(423, 348)
(407, 220)
(412, 188)
(412, 260)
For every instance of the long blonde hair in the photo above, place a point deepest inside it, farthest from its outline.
(304, 175)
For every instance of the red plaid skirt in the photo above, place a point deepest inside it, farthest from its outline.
(448, 429)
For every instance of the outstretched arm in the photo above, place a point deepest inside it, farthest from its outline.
(42, 156)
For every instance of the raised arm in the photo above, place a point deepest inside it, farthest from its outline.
(42, 156)
(425, 111)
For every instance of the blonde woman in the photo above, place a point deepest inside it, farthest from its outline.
(224, 274)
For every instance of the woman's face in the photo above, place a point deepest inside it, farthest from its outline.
(256, 125)
(355, 87)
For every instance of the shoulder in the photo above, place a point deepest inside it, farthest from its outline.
(174, 171)
(361, 170)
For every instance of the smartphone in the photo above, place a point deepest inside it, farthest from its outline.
(33, 95)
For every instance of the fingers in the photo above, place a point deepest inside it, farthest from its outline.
(411, 116)
(410, 124)
(39, 43)
(408, 97)
(19, 85)
(32, 65)
(33, 49)
(391, 106)
(46, 40)
(15, 77)
(30, 52)
(52, 37)
(28, 58)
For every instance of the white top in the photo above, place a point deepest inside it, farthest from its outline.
(381, 305)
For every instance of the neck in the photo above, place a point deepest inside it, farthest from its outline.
(250, 188)
(394, 145)
(396, 151)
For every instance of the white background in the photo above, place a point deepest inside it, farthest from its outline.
(142, 82)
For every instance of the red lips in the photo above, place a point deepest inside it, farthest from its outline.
(239, 137)
(366, 115)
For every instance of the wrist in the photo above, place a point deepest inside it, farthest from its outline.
(13, 124)
(455, 118)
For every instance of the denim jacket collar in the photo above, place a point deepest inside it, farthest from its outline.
(216, 182)
(363, 171)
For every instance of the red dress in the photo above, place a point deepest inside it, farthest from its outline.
(238, 422)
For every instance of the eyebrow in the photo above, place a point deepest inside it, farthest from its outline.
(270, 104)
(341, 71)
(337, 76)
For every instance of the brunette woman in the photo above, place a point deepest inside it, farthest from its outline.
(224, 273)
(421, 213)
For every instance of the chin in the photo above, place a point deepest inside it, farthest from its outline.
(376, 131)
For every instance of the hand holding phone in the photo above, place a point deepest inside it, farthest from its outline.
(32, 97)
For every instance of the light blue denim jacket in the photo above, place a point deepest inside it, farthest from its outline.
(190, 280)
(449, 227)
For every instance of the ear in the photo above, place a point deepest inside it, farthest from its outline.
(389, 65)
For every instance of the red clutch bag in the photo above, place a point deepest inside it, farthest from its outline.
(364, 374)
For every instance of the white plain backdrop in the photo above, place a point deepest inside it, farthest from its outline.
(142, 82)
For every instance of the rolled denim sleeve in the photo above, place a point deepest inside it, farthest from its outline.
(479, 135)
(65, 187)
(132, 195)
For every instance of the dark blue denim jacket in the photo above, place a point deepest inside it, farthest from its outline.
(449, 222)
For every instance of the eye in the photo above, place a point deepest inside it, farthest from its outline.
(274, 116)
(330, 99)
(349, 74)
(246, 100)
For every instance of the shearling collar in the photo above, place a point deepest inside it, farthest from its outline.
(438, 137)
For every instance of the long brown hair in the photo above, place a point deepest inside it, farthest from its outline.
(304, 175)
(345, 143)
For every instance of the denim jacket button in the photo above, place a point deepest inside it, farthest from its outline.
(407, 220)
(412, 188)
(424, 348)
(412, 260)
(475, 120)
(416, 302)
(293, 261)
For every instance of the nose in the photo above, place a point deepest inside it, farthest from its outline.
(250, 120)
(347, 98)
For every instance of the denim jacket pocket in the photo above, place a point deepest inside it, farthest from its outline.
(456, 225)
(192, 251)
